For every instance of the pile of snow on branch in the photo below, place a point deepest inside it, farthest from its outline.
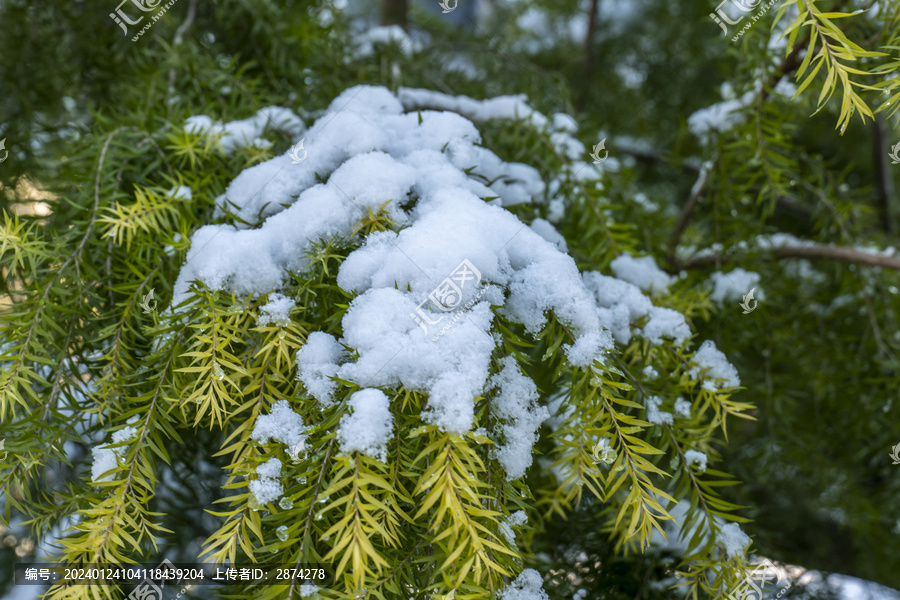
(373, 152)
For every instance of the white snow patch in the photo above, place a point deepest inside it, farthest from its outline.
(516, 519)
(369, 427)
(733, 539)
(666, 322)
(714, 368)
(656, 416)
(515, 405)
(268, 487)
(642, 272)
(317, 362)
(281, 424)
(694, 457)
(247, 132)
(181, 192)
(683, 408)
(276, 311)
(367, 41)
(547, 231)
(106, 458)
(733, 285)
(527, 586)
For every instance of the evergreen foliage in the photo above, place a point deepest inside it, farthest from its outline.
(80, 359)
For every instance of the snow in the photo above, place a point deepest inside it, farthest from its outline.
(561, 126)
(268, 487)
(642, 272)
(650, 372)
(106, 458)
(694, 457)
(369, 427)
(527, 586)
(516, 519)
(181, 192)
(720, 117)
(247, 132)
(276, 311)
(620, 303)
(308, 589)
(682, 408)
(515, 405)
(732, 286)
(500, 107)
(714, 368)
(733, 539)
(317, 362)
(371, 157)
(730, 112)
(367, 41)
(665, 322)
(281, 424)
(656, 416)
(547, 231)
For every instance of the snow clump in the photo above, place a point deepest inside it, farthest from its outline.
(694, 457)
(517, 519)
(369, 427)
(276, 312)
(620, 304)
(732, 286)
(683, 408)
(317, 362)
(656, 416)
(733, 539)
(516, 407)
(713, 367)
(281, 424)
(527, 586)
(248, 132)
(268, 487)
(642, 272)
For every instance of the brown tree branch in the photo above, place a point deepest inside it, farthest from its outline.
(814, 251)
(686, 213)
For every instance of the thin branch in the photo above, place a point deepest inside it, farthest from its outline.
(179, 35)
(685, 217)
(815, 251)
(882, 172)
